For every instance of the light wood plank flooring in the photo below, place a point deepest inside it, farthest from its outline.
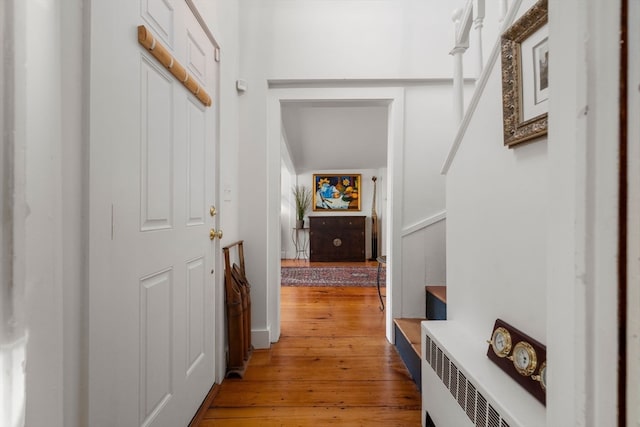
(332, 366)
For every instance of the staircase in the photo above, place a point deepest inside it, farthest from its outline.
(407, 331)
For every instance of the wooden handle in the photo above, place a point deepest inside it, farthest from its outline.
(146, 39)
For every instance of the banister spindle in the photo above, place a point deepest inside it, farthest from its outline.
(478, 19)
(462, 22)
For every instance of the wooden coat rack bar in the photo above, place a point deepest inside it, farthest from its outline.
(146, 39)
(238, 303)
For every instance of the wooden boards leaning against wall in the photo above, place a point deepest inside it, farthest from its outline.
(238, 303)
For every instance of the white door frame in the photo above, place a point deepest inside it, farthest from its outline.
(583, 156)
(219, 315)
(395, 162)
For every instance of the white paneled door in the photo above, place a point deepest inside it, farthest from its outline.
(152, 182)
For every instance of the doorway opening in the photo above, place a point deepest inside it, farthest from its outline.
(283, 174)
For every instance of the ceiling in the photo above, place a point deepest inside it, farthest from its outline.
(336, 135)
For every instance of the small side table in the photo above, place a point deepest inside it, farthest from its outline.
(381, 260)
(300, 238)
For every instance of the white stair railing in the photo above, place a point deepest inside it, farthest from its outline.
(466, 19)
(506, 11)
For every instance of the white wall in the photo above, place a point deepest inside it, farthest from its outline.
(13, 326)
(531, 231)
(223, 21)
(39, 127)
(423, 263)
(312, 41)
(48, 265)
(51, 196)
(429, 127)
(361, 39)
(74, 222)
(496, 225)
(497, 205)
(583, 210)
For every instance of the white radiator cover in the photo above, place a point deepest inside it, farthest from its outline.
(462, 387)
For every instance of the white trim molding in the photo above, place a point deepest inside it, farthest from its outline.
(394, 97)
(261, 338)
(359, 83)
(427, 222)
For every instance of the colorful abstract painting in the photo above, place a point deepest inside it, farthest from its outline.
(336, 192)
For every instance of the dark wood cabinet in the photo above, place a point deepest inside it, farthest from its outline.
(337, 238)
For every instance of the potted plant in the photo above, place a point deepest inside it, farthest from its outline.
(302, 195)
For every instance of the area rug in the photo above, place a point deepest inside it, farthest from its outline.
(332, 276)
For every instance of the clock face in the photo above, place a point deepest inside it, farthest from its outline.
(524, 358)
(501, 342)
(543, 376)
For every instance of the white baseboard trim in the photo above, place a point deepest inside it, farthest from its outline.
(261, 338)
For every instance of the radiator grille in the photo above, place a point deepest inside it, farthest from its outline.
(494, 418)
(445, 371)
(453, 387)
(462, 389)
(481, 411)
(472, 402)
(434, 351)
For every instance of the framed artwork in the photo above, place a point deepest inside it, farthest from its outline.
(340, 192)
(525, 76)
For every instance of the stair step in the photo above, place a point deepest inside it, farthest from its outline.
(438, 291)
(436, 302)
(407, 343)
(410, 328)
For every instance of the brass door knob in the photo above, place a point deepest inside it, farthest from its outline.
(213, 234)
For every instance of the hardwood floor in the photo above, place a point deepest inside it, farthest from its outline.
(332, 366)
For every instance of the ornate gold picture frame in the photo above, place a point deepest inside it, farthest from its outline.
(525, 59)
